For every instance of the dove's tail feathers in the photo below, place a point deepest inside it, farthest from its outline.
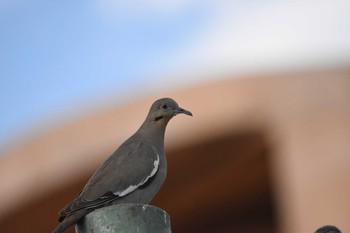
(70, 220)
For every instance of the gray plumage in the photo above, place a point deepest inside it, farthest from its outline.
(328, 229)
(134, 173)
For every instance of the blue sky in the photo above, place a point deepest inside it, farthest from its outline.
(57, 56)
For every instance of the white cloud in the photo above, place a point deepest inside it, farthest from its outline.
(249, 35)
(245, 36)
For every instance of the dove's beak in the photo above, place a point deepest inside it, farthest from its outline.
(182, 111)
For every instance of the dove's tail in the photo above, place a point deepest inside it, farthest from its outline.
(70, 220)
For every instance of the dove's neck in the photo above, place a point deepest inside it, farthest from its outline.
(153, 132)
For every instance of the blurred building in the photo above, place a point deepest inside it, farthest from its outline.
(263, 153)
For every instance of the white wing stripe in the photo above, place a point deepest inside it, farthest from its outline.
(131, 188)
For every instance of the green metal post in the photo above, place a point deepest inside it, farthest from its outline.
(125, 218)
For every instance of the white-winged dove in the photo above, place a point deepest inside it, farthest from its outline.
(134, 173)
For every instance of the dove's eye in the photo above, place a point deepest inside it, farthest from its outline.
(164, 106)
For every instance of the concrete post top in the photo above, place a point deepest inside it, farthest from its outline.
(125, 218)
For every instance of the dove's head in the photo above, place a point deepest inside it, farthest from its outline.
(166, 108)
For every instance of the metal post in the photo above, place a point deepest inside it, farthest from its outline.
(125, 218)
